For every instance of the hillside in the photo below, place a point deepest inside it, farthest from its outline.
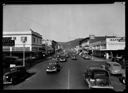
(70, 44)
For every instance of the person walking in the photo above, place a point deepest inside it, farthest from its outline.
(111, 55)
(107, 56)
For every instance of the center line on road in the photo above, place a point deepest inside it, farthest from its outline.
(68, 77)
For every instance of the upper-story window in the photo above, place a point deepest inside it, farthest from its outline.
(34, 40)
(23, 39)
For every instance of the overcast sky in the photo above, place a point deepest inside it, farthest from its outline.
(65, 22)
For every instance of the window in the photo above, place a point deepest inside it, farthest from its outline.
(23, 39)
(34, 40)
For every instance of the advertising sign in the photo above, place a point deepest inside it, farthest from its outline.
(8, 42)
(115, 44)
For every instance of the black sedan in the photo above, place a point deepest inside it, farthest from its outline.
(86, 57)
(62, 59)
(15, 76)
(53, 67)
(97, 78)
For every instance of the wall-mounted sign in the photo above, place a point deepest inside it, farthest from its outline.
(117, 39)
(8, 42)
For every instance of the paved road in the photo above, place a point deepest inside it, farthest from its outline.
(70, 77)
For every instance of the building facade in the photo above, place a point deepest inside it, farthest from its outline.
(104, 44)
(29, 41)
(108, 43)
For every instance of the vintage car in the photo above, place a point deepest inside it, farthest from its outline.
(62, 59)
(114, 68)
(53, 67)
(87, 57)
(15, 75)
(97, 77)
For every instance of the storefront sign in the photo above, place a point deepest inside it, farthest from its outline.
(8, 42)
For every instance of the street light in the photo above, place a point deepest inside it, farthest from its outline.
(23, 39)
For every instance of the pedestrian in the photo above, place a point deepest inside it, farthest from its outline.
(107, 56)
(111, 55)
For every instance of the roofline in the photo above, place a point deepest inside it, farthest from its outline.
(23, 32)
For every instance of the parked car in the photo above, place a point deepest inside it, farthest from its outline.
(15, 75)
(87, 57)
(53, 67)
(97, 78)
(114, 68)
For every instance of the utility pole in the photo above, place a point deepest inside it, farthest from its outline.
(23, 54)
(23, 39)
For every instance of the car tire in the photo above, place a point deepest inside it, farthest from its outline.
(123, 80)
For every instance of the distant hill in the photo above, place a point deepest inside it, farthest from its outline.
(70, 44)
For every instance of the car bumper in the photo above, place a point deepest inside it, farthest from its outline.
(47, 70)
(6, 83)
(102, 87)
(116, 72)
(99, 87)
(62, 60)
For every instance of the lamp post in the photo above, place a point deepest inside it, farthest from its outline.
(23, 39)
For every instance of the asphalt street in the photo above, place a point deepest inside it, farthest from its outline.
(70, 76)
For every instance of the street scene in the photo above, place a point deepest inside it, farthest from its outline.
(88, 53)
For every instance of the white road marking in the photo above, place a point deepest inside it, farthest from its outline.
(68, 77)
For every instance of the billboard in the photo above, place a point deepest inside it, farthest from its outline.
(115, 44)
(6, 41)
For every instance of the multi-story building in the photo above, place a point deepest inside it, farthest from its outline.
(107, 44)
(29, 41)
(102, 44)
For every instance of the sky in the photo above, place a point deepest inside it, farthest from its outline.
(65, 22)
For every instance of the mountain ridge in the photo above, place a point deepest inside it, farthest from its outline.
(70, 44)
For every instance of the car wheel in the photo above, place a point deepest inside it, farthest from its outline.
(123, 81)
